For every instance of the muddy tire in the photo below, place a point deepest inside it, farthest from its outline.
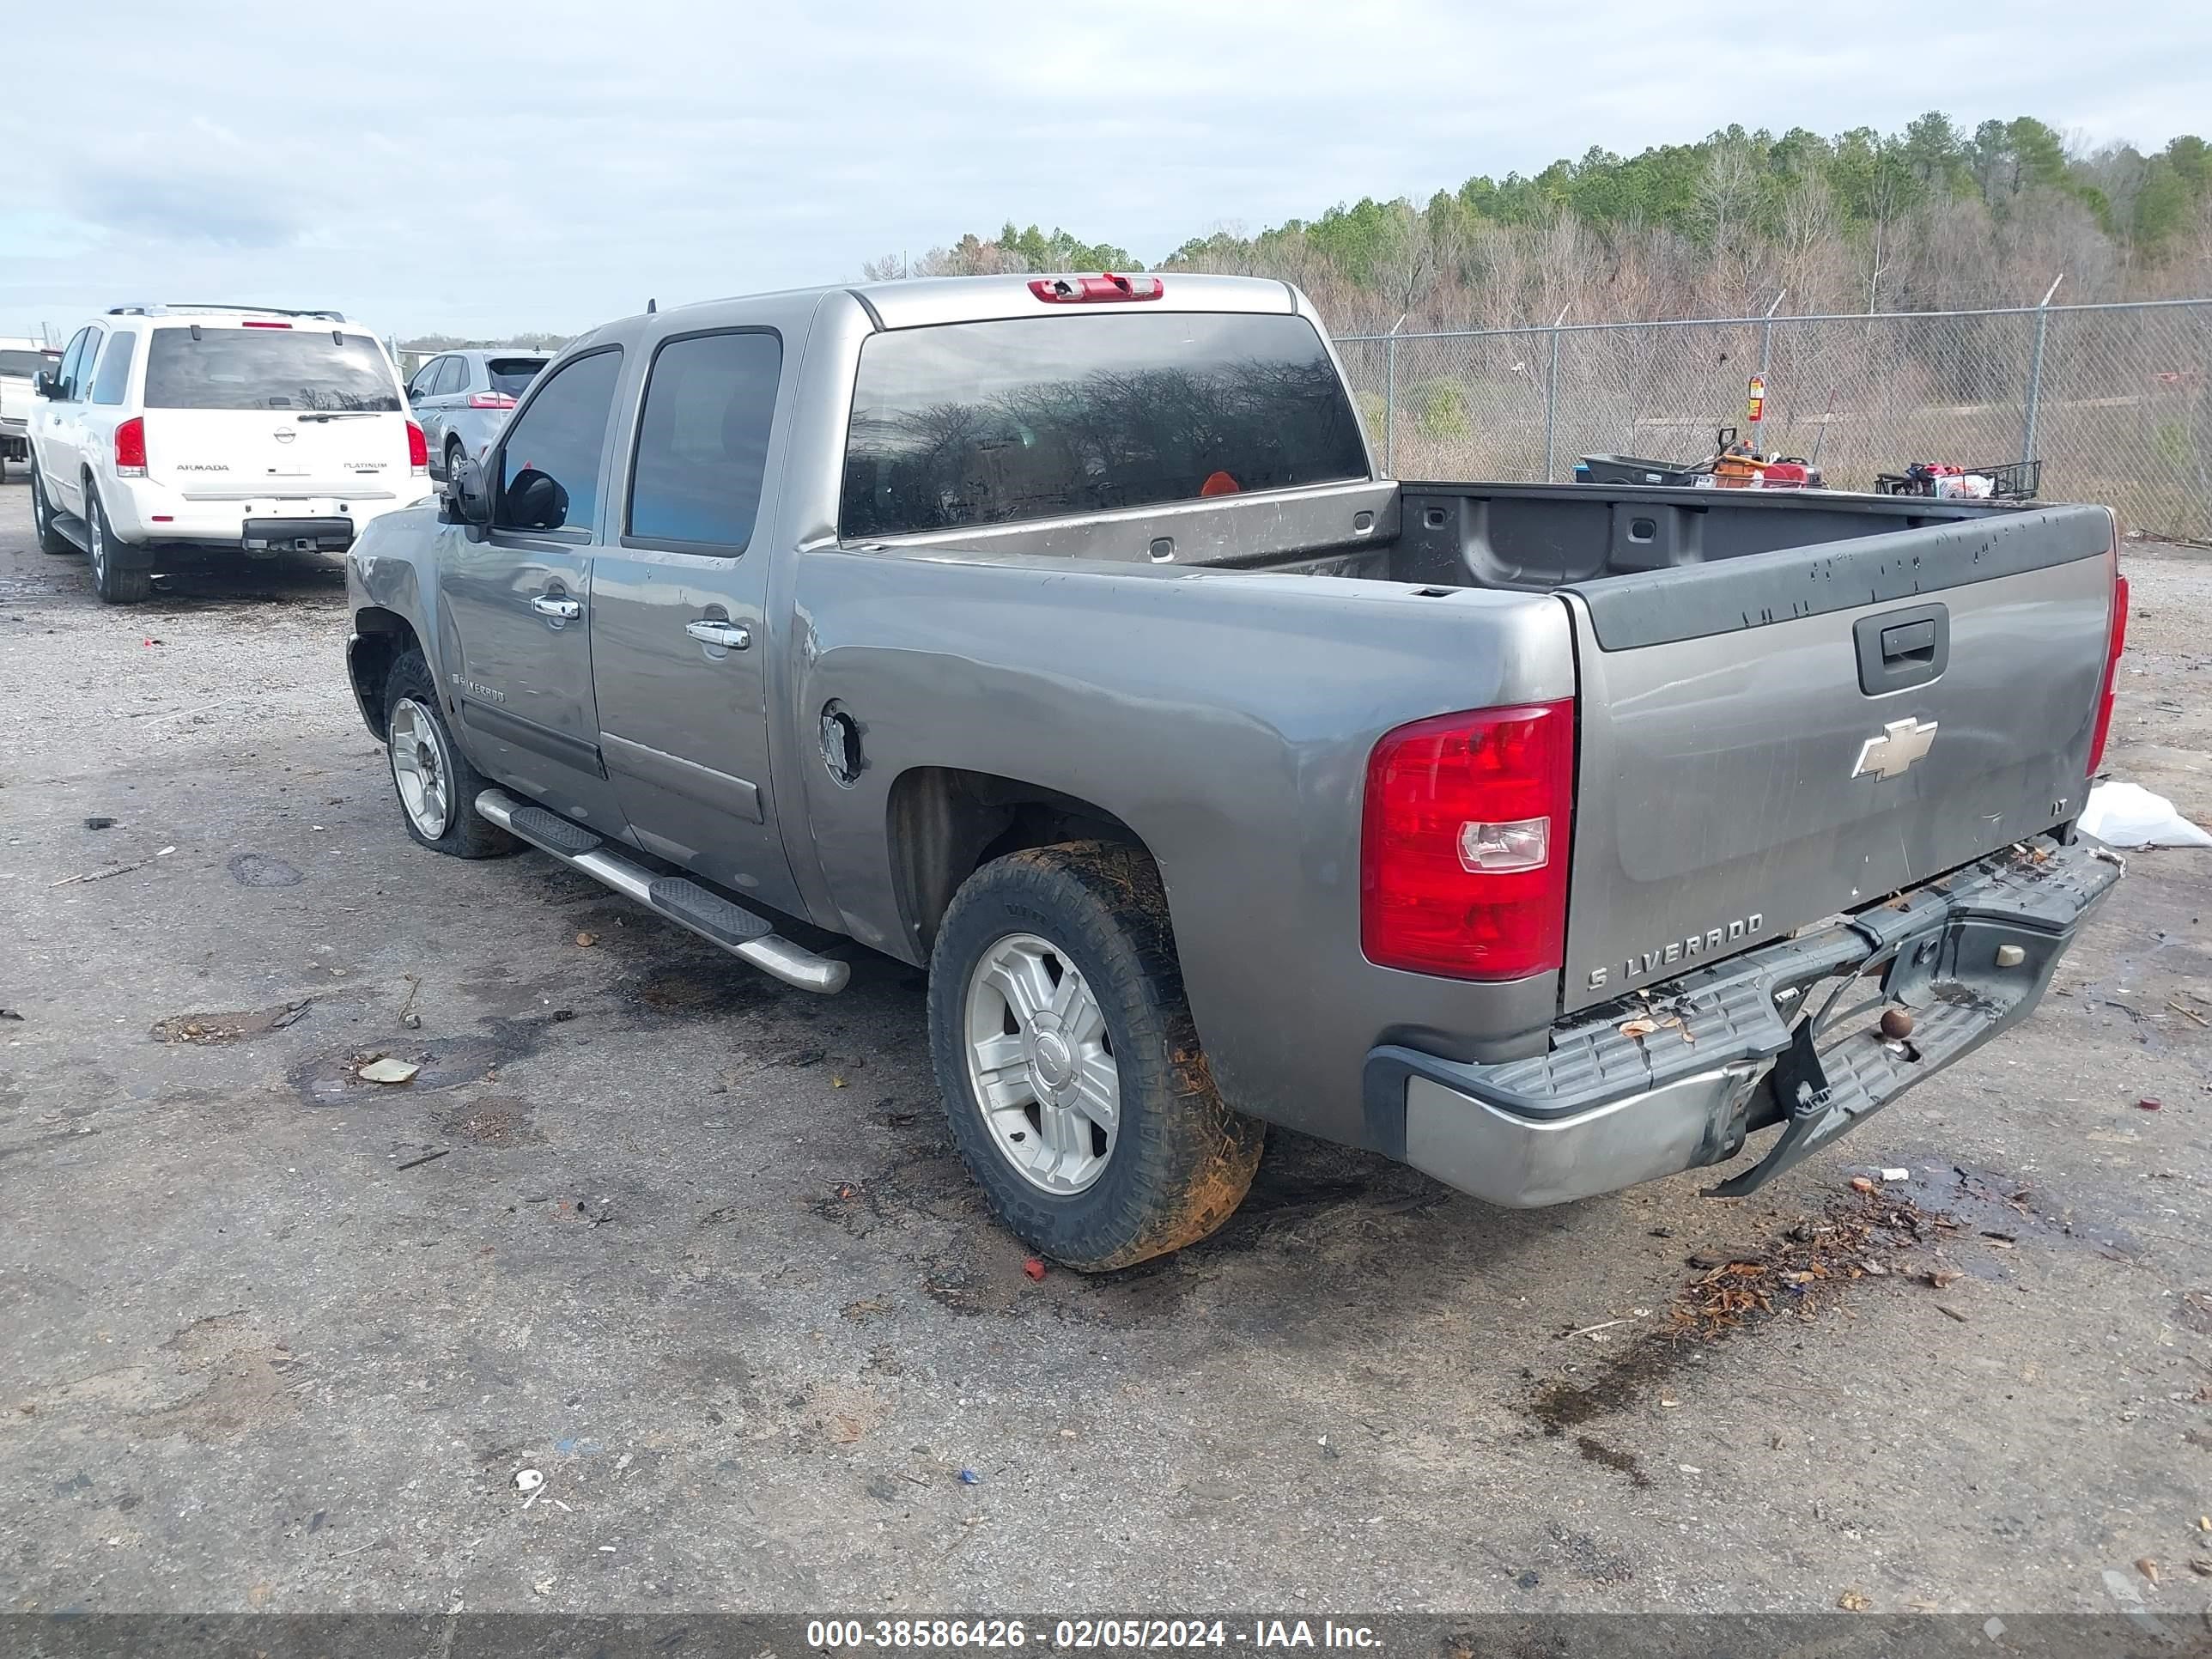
(436, 785)
(1070, 1066)
(121, 574)
(50, 540)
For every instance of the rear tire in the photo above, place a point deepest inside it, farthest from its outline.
(436, 785)
(454, 454)
(121, 574)
(50, 540)
(1055, 984)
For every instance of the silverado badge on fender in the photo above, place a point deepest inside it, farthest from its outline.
(1901, 742)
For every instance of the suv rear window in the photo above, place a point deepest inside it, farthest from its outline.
(1031, 418)
(268, 369)
(510, 374)
(24, 364)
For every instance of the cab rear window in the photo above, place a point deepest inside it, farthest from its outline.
(268, 369)
(994, 422)
(25, 364)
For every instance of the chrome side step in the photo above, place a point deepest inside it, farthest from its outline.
(713, 918)
(72, 528)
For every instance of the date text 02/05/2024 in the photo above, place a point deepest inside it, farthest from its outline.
(1088, 1634)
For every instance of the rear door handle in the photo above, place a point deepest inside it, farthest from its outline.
(713, 630)
(553, 604)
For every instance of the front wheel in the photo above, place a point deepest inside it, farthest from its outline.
(50, 540)
(436, 785)
(1070, 1066)
(120, 574)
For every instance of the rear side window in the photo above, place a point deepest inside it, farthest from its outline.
(549, 467)
(453, 377)
(24, 364)
(975, 423)
(510, 374)
(702, 440)
(115, 369)
(268, 369)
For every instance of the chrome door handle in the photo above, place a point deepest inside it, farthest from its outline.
(713, 630)
(549, 605)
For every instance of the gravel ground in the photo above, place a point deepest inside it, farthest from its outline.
(696, 1248)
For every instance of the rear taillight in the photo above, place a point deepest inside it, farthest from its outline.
(2115, 643)
(1463, 843)
(491, 400)
(1105, 289)
(130, 449)
(418, 449)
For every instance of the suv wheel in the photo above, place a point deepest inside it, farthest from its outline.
(455, 455)
(436, 785)
(1069, 1065)
(50, 540)
(121, 574)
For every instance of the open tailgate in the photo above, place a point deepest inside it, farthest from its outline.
(1769, 740)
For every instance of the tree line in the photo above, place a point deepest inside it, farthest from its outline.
(1932, 217)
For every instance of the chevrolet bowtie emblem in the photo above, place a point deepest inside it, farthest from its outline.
(1901, 742)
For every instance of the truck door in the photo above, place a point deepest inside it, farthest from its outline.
(679, 633)
(57, 423)
(515, 606)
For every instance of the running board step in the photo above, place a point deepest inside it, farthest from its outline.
(72, 528)
(550, 831)
(703, 912)
(713, 918)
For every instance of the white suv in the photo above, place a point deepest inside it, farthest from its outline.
(217, 426)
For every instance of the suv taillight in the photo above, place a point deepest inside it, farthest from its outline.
(491, 400)
(418, 449)
(130, 449)
(2115, 643)
(1463, 843)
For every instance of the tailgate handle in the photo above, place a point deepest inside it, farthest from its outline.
(1912, 642)
(1902, 648)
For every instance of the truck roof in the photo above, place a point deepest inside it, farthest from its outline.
(926, 302)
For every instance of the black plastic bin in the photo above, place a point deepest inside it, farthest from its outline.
(1635, 470)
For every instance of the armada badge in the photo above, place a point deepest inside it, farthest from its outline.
(1901, 742)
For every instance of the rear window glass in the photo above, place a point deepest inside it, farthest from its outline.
(267, 368)
(24, 364)
(975, 423)
(510, 374)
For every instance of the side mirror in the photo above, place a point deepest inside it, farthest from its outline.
(471, 500)
(44, 384)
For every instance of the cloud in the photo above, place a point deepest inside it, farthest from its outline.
(566, 159)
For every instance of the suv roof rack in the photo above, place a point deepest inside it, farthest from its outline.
(203, 308)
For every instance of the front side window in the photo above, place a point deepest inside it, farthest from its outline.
(702, 440)
(107, 387)
(291, 369)
(548, 467)
(66, 375)
(994, 422)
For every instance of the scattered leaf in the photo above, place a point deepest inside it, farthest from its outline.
(387, 1070)
(586, 940)
(1861, 1184)
(2148, 1568)
(1638, 1028)
(1943, 1277)
(1853, 1600)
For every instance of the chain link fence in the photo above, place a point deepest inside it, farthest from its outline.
(2115, 400)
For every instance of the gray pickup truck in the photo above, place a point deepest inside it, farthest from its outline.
(1059, 635)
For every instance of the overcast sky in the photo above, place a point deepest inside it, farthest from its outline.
(491, 165)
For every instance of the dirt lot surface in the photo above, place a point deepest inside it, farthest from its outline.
(695, 1248)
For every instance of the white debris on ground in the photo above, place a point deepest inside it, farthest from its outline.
(2128, 815)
